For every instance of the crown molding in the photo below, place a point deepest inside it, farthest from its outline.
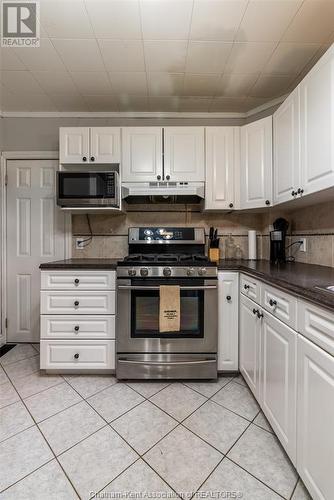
(141, 114)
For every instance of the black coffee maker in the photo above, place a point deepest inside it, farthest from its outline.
(277, 241)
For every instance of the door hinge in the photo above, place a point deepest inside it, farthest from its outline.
(6, 323)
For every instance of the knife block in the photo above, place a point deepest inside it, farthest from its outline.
(214, 254)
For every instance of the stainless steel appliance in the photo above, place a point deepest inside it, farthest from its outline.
(160, 256)
(163, 192)
(88, 189)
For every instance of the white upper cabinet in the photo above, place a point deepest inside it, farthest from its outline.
(286, 125)
(184, 154)
(220, 167)
(256, 164)
(105, 145)
(89, 145)
(317, 125)
(142, 154)
(74, 145)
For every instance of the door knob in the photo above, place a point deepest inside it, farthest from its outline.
(76, 328)
(293, 193)
(76, 303)
(92, 158)
(300, 191)
(167, 177)
(159, 177)
(228, 297)
(246, 287)
(231, 205)
(259, 315)
(84, 158)
(267, 202)
(76, 281)
(272, 302)
(76, 356)
(255, 311)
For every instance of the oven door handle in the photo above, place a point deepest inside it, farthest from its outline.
(135, 287)
(133, 362)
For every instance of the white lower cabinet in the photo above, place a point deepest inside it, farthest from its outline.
(78, 320)
(279, 381)
(315, 417)
(250, 335)
(228, 307)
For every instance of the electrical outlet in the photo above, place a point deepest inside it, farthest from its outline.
(79, 244)
(302, 247)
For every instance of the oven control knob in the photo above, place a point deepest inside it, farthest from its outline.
(190, 271)
(167, 271)
(144, 271)
(202, 271)
(132, 272)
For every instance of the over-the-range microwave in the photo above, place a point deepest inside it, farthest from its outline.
(88, 189)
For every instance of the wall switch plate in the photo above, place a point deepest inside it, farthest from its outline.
(302, 247)
(79, 243)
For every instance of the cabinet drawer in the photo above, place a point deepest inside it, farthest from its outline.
(251, 288)
(76, 355)
(317, 324)
(280, 304)
(78, 280)
(66, 302)
(77, 327)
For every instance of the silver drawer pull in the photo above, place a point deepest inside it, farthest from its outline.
(161, 363)
(135, 287)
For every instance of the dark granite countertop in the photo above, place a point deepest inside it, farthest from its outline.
(296, 278)
(109, 264)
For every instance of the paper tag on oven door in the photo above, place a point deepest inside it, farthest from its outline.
(169, 314)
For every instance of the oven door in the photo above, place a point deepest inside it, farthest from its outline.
(138, 317)
(87, 188)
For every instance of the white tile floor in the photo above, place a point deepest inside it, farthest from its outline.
(85, 437)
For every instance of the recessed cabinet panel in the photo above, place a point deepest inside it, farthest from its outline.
(220, 168)
(73, 144)
(141, 154)
(184, 154)
(256, 164)
(315, 436)
(250, 335)
(228, 312)
(105, 144)
(287, 176)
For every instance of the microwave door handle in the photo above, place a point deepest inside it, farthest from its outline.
(135, 287)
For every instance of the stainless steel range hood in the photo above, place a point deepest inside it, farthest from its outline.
(163, 192)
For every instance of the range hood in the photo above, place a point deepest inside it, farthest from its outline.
(163, 192)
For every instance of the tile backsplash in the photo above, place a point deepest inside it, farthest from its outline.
(314, 223)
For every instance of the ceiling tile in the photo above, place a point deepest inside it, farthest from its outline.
(236, 85)
(65, 19)
(165, 84)
(195, 104)
(53, 82)
(101, 103)
(121, 55)
(291, 58)
(10, 61)
(20, 82)
(117, 19)
(92, 83)
(69, 102)
(42, 58)
(266, 21)
(313, 22)
(227, 105)
(204, 85)
(133, 103)
(272, 86)
(79, 55)
(216, 19)
(166, 19)
(207, 57)
(26, 102)
(41, 102)
(164, 103)
(166, 56)
(129, 83)
(249, 57)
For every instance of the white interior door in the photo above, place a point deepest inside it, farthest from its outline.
(35, 234)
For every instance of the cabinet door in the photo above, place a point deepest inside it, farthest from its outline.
(105, 144)
(74, 145)
(228, 307)
(279, 381)
(184, 154)
(250, 335)
(256, 164)
(315, 416)
(317, 125)
(220, 166)
(286, 149)
(141, 154)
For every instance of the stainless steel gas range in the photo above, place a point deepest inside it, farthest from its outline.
(166, 256)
